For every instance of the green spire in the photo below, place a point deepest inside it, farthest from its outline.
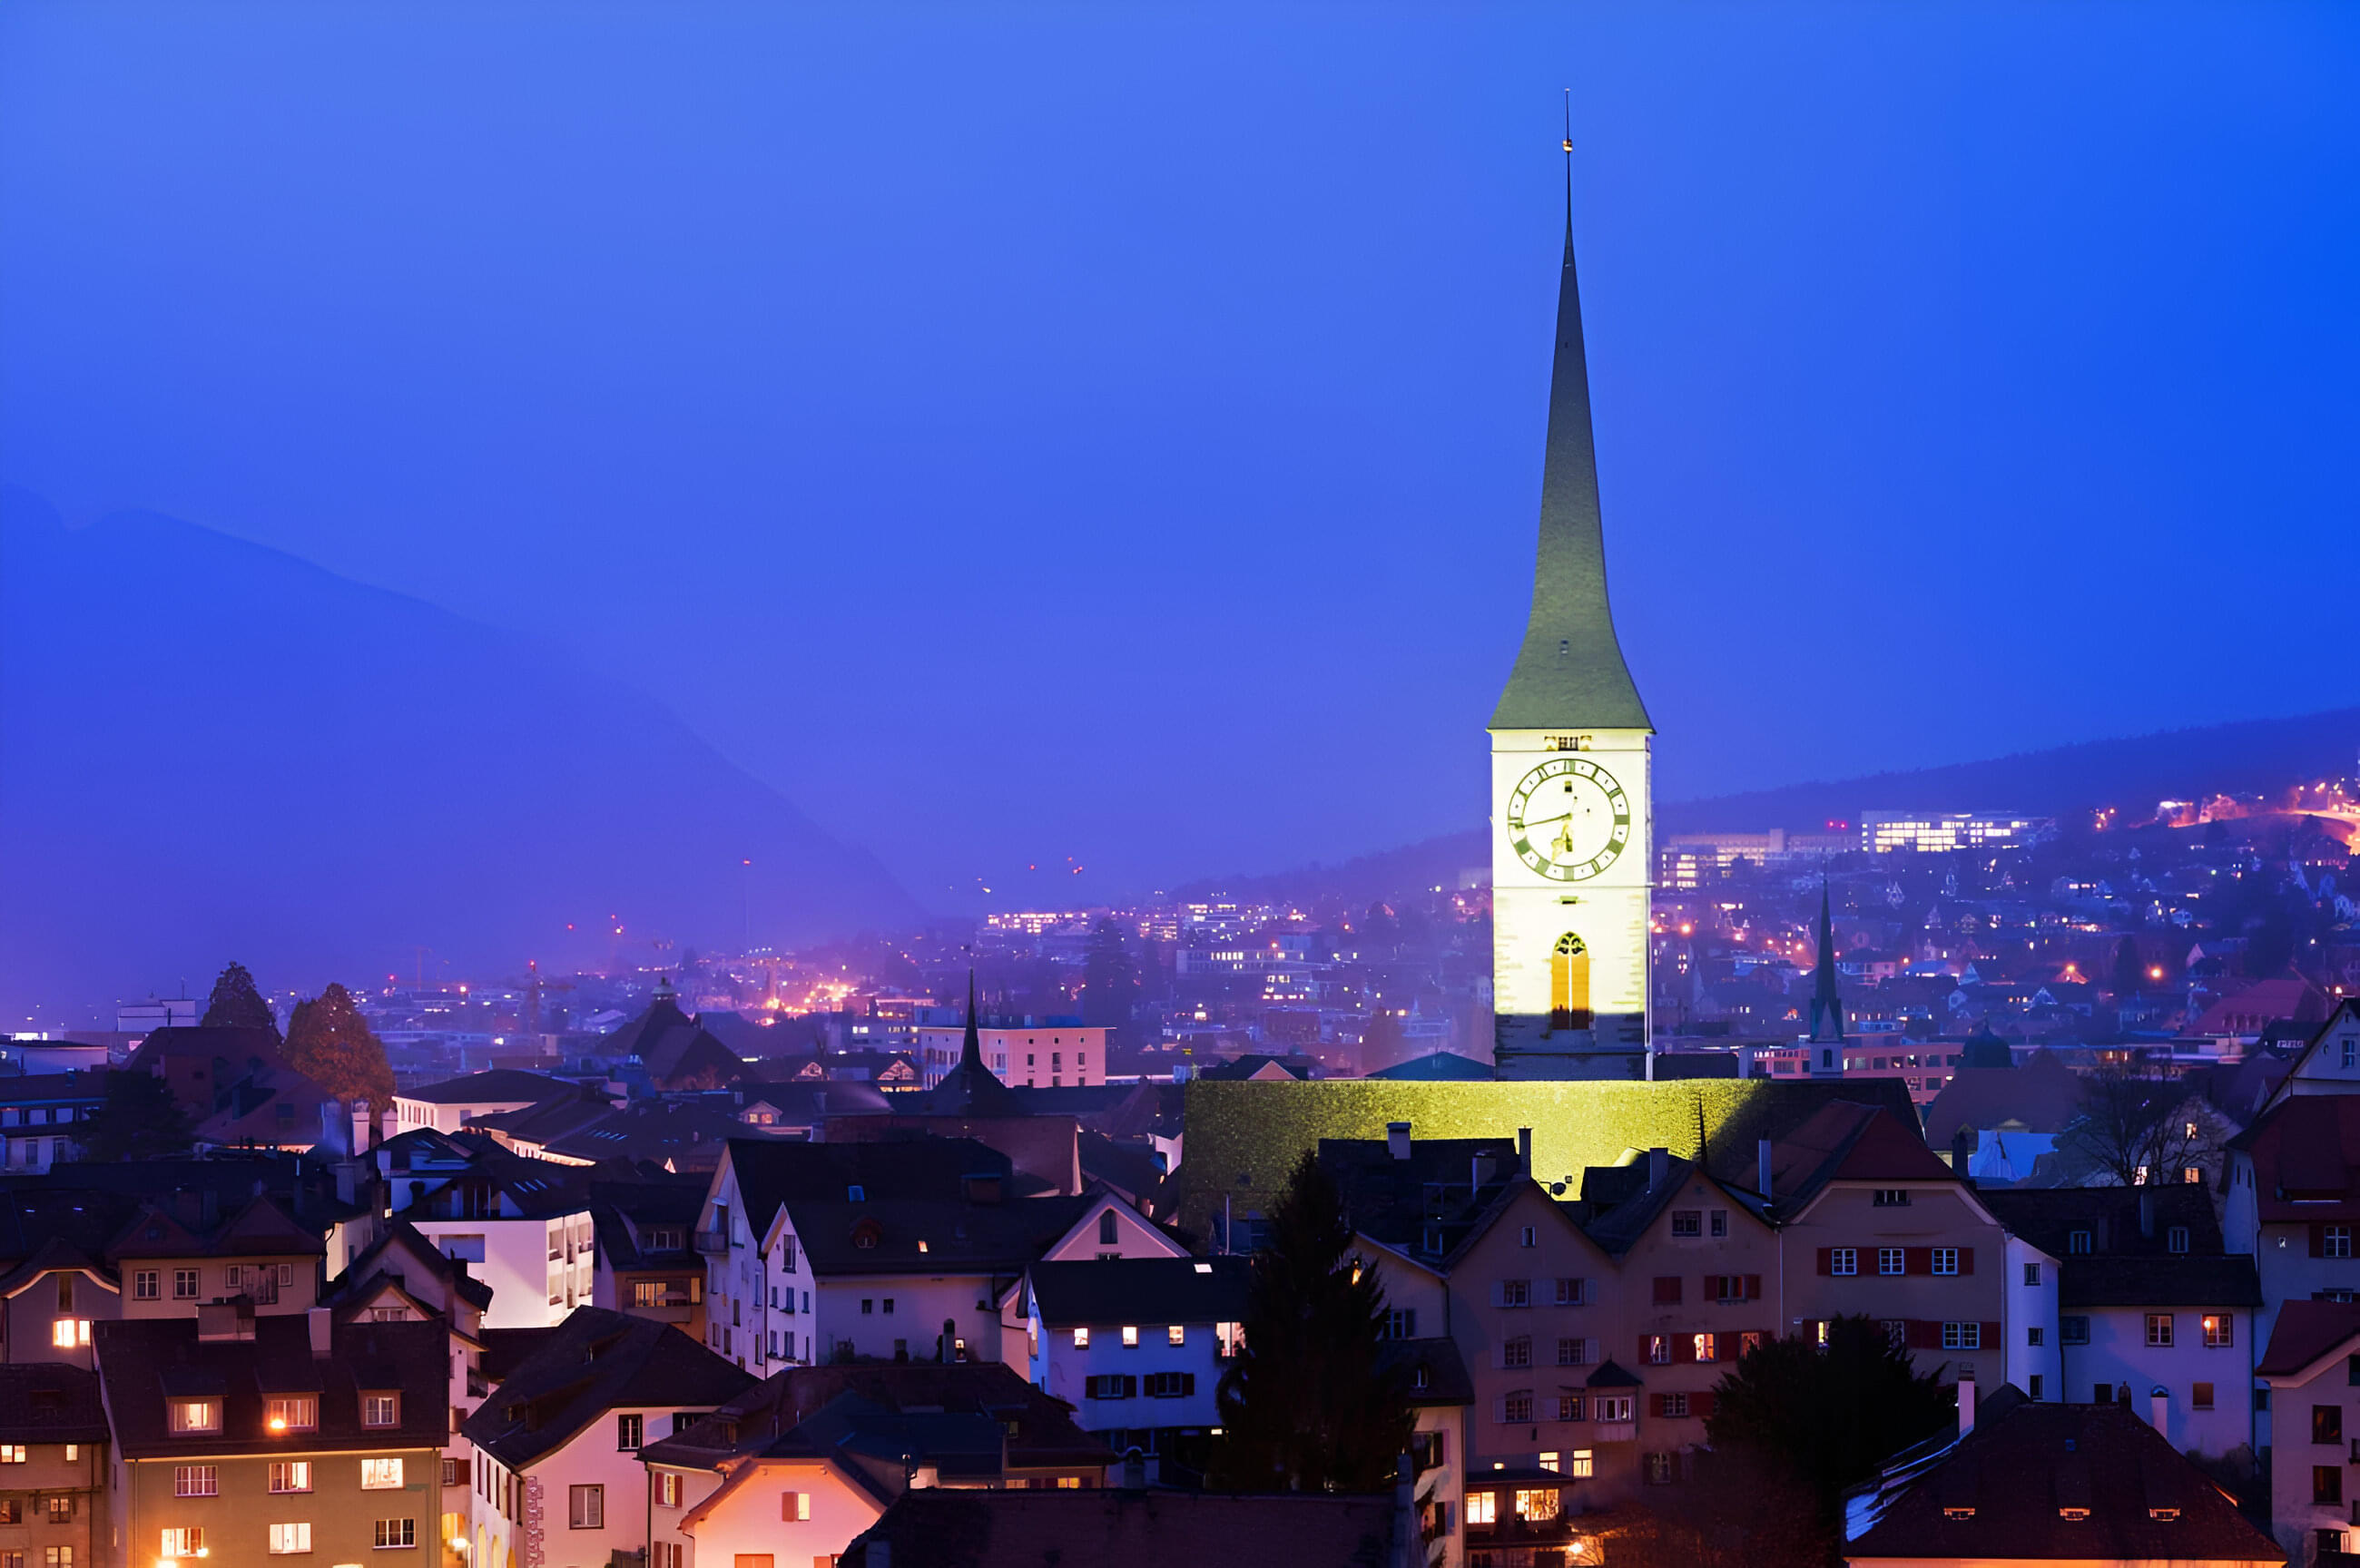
(1569, 673)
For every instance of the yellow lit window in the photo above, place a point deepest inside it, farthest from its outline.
(1131, 1334)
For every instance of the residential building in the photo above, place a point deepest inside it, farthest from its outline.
(1441, 1397)
(1131, 1527)
(646, 1264)
(2311, 1369)
(556, 1472)
(1046, 1053)
(1137, 1346)
(2148, 1302)
(1871, 1222)
(797, 1466)
(521, 1225)
(2330, 1062)
(2034, 1481)
(2293, 1200)
(167, 1265)
(54, 1466)
(239, 1438)
(42, 1115)
(449, 1105)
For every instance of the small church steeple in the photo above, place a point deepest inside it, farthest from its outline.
(1827, 1003)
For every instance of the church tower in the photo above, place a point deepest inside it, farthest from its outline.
(1827, 1037)
(1572, 829)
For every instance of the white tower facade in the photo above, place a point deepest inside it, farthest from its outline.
(1572, 785)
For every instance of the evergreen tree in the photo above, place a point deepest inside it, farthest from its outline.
(236, 1003)
(1830, 1416)
(138, 1120)
(2129, 973)
(1305, 1406)
(329, 1042)
(1109, 979)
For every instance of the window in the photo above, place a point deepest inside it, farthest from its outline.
(1675, 1406)
(62, 1507)
(2219, 1330)
(1667, 1289)
(450, 1472)
(292, 1412)
(66, 1333)
(380, 1475)
(196, 1415)
(671, 1554)
(1719, 1223)
(1517, 1352)
(629, 1430)
(2159, 1330)
(1843, 1260)
(1480, 1507)
(396, 1533)
(1171, 1385)
(1528, 1237)
(1660, 1469)
(1573, 1353)
(794, 1508)
(2201, 1398)
(380, 1410)
(668, 1489)
(2032, 1385)
(1897, 1332)
(1108, 1234)
(147, 1285)
(2032, 1275)
(187, 1542)
(1516, 1292)
(1687, 1222)
(586, 1508)
(2176, 1238)
(2327, 1485)
(1962, 1337)
(1081, 1339)
(1537, 1503)
(1946, 1260)
(1572, 1292)
(2077, 1241)
(1659, 1350)
(1569, 1407)
(2073, 1329)
(12, 1454)
(12, 1511)
(290, 1474)
(1890, 1198)
(1112, 1386)
(57, 1557)
(1517, 1407)
(2336, 1241)
(287, 1539)
(1888, 1260)
(1400, 1323)
(1177, 1333)
(2327, 1423)
(1704, 1346)
(1581, 1464)
(1130, 1335)
(1609, 1407)
(195, 1481)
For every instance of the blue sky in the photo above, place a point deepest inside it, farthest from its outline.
(1021, 432)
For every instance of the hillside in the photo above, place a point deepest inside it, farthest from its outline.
(212, 750)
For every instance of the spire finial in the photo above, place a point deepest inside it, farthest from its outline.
(1569, 168)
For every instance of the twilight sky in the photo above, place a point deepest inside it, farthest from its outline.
(1024, 432)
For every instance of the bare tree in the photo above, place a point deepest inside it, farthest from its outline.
(2136, 1125)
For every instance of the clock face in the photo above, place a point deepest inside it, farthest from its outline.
(1569, 819)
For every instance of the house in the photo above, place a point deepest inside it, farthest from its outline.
(1441, 1397)
(239, 1437)
(1133, 1527)
(1871, 1222)
(450, 1105)
(168, 1264)
(1107, 1227)
(646, 1264)
(2293, 1200)
(556, 1472)
(2249, 1011)
(2033, 1481)
(675, 1052)
(521, 1225)
(798, 1465)
(405, 1279)
(2330, 1064)
(1137, 1345)
(53, 1465)
(2012, 1114)
(2148, 1300)
(41, 1115)
(2312, 1371)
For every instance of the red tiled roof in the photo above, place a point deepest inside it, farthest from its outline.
(2305, 1331)
(1843, 1141)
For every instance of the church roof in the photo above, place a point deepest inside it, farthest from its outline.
(970, 1089)
(1570, 670)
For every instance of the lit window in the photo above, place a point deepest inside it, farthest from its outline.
(668, 1489)
(1177, 1334)
(1480, 1507)
(380, 1475)
(1705, 1347)
(794, 1508)
(196, 1415)
(286, 1539)
(1081, 1339)
(293, 1413)
(69, 1333)
(1582, 1465)
(1131, 1334)
(12, 1454)
(187, 1542)
(195, 1481)
(290, 1474)
(1537, 1503)
(2220, 1331)
(396, 1533)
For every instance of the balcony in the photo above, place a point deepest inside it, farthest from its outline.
(1614, 1431)
(710, 1241)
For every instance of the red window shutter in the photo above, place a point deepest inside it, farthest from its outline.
(1667, 1289)
(1643, 1350)
(2318, 1246)
(1966, 1260)
(1683, 1347)
(1924, 1333)
(1992, 1332)
(1702, 1404)
(1754, 1287)
(1659, 1404)
(1188, 1383)
(1918, 1260)
(1711, 1288)
(1828, 1254)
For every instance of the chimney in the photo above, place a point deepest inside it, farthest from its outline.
(1659, 1166)
(1966, 1405)
(1762, 1168)
(1963, 1152)
(1525, 1148)
(321, 1320)
(1134, 1470)
(1397, 1140)
(2146, 1213)
(2158, 1408)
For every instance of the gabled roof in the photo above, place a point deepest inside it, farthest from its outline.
(969, 1088)
(1153, 1291)
(2159, 1282)
(58, 1255)
(2004, 1492)
(2111, 1218)
(261, 1226)
(404, 1251)
(500, 1085)
(1436, 1067)
(1624, 1203)
(1849, 1142)
(1431, 1369)
(965, 1527)
(594, 1362)
(2305, 1155)
(2304, 1332)
(928, 1235)
(770, 1171)
(48, 1401)
(2043, 1095)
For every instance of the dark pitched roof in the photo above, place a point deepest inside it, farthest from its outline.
(2043, 1095)
(2158, 1281)
(2048, 1217)
(1446, 1182)
(686, 1136)
(623, 1213)
(536, 1186)
(593, 1362)
(922, 1236)
(48, 1401)
(142, 1359)
(969, 1088)
(1141, 1290)
(2305, 1155)
(1436, 1067)
(1431, 1369)
(2003, 1491)
(1848, 1141)
(770, 1170)
(50, 1088)
(2304, 1332)
(971, 1528)
(1623, 1202)
(500, 1085)
(404, 1248)
(261, 1226)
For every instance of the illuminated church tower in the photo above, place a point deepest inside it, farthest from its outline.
(1572, 845)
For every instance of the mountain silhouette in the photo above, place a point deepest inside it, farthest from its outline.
(213, 750)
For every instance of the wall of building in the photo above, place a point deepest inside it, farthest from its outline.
(919, 1306)
(1846, 1215)
(294, 1284)
(2034, 1361)
(1061, 1368)
(517, 1265)
(2118, 1355)
(34, 1313)
(750, 1520)
(2295, 1519)
(78, 1471)
(236, 1521)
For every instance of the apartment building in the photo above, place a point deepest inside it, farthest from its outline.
(240, 1437)
(53, 1467)
(521, 1225)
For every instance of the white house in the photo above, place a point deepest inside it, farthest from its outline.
(523, 1226)
(449, 1105)
(1136, 1345)
(2314, 1419)
(554, 1459)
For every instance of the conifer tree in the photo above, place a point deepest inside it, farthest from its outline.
(236, 1003)
(139, 1119)
(1306, 1406)
(329, 1042)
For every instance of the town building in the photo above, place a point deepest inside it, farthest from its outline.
(53, 1440)
(449, 1105)
(1133, 1527)
(521, 1225)
(2311, 1369)
(42, 1116)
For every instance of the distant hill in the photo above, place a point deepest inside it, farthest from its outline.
(210, 750)
(2250, 757)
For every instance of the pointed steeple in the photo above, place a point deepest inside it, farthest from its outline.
(971, 1089)
(1570, 673)
(971, 1052)
(1827, 1004)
